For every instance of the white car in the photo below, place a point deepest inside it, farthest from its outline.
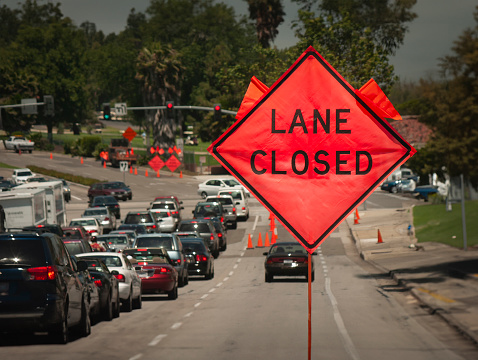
(128, 280)
(213, 186)
(241, 202)
(21, 176)
(165, 219)
(104, 215)
(91, 224)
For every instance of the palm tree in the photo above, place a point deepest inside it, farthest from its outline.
(160, 73)
(268, 15)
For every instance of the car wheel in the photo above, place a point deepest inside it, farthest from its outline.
(234, 225)
(394, 190)
(186, 278)
(59, 332)
(215, 254)
(204, 194)
(173, 294)
(224, 247)
(269, 278)
(138, 302)
(84, 328)
(128, 303)
(108, 310)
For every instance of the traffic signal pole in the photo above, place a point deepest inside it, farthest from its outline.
(181, 107)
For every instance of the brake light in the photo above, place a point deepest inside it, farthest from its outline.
(107, 219)
(120, 278)
(212, 237)
(98, 283)
(243, 208)
(92, 231)
(233, 210)
(164, 270)
(142, 263)
(219, 234)
(178, 261)
(151, 226)
(222, 219)
(201, 257)
(42, 273)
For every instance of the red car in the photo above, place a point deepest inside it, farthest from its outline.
(156, 271)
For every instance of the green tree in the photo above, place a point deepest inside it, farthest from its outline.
(452, 112)
(268, 15)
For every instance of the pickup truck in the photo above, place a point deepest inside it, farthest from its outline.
(18, 143)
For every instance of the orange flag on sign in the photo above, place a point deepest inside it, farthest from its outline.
(371, 92)
(254, 92)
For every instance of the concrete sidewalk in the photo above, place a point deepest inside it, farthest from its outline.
(442, 278)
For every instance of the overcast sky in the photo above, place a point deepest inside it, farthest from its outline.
(431, 34)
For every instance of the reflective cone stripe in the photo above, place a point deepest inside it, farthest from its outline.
(249, 243)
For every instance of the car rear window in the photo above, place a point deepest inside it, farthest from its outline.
(22, 253)
(95, 212)
(199, 227)
(114, 261)
(163, 206)
(235, 194)
(74, 248)
(194, 245)
(121, 240)
(224, 201)
(138, 218)
(164, 242)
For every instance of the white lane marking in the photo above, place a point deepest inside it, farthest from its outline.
(349, 346)
(225, 279)
(220, 284)
(204, 296)
(235, 267)
(176, 325)
(188, 314)
(197, 304)
(76, 197)
(242, 253)
(136, 357)
(157, 339)
(212, 290)
(239, 260)
(231, 273)
(255, 223)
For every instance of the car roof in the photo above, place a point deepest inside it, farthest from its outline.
(97, 208)
(99, 253)
(165, 235)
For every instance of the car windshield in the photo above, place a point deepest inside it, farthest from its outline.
(95, 212)
(288, 248)
(83, 223)
(164, 242)
(195, 246)
(163, 206)
(110, 200)
(72, 234)
(114, 261)
(25, 173)
(138, 219)
(22, 253)
(94, 265)
(234, 194)
(112, 186)
(118, 240)
(207, 210)
(224, 200)
(231, 182)
(196, 226)
(74, 248)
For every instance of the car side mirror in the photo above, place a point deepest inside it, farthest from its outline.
(82, 265)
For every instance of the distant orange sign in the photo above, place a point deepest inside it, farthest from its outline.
(129, 134)
(156, 163)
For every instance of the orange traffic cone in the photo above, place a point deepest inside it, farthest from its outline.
(380, 240)
(356, 222)
(130, 169)
(267, 243)
(273, 238)
(146, 173)
(82, 159)
(273, 224)
(157, 174)
(259, 241)
(357, 214)
(104, 164)
(51, 156)
(249, 243)
(136, 171)
(180, 174)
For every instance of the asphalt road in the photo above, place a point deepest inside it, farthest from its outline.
(356, 314)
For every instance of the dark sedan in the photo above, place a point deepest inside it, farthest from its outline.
(201, 261)
(108, 201)
(287, 259)
(107, 285)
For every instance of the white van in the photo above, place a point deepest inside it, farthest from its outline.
(240, 201)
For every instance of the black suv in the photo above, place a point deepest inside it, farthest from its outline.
(206, 230)
(40, 287)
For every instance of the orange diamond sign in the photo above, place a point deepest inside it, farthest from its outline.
(129, 134)
(311, 149)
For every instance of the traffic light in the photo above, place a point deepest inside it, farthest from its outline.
(49, 105)
(217, 112)
(169, 110)
(106, 111)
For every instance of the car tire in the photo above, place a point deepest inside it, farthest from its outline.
(59, 333)
(204, 194)
(127, 305)
(234, 225)
(108, 310)
(84, 327)
(394, 190)
(215, 253)
(208, 275)
(312, 277)
(173, 294)
(138, 302)
(269, 278)
(224, 247)
(186, 278)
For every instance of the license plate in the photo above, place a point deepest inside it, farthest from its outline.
(288, 261)
(3, 288)
(143, 274)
